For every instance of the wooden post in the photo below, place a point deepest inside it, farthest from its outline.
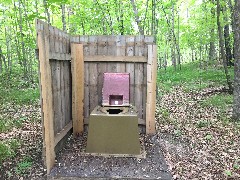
(47, 99)
(77, 87)
(151, 89)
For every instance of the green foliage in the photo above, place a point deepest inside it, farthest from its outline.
(8, 149)
(18, 90)
(165, 113)
(228, 172)
(191, 77)
(222, 101)
(208, 137)
(177, 132)
(24, 165)
(203, 123)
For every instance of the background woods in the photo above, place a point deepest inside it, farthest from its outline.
(185, 30)
(198, 94)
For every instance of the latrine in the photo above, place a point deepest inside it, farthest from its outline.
(71, 80)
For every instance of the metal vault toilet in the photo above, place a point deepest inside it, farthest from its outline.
(113, 127)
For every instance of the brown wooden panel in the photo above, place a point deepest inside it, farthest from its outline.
(47, 99)
(102, 68)
(93, 92)
(68, 92)
(75, 39)
(109, 58)
(151, 89)
(102, 45)
(102, 51)
(138, 88)
(77, 87)
(60, 56)
(56, 40)
(62, 95)
(86, 91)
(86, 52)
(144, 90)
(130, 66)
(93, 73)
(51, 39)
(60, 135)
(57, 101)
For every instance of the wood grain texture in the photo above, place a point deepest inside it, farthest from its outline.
(151, 89)
(110, 58)
(57, 101)
(130, 66)
(47, 99)
(77, 87)
(60, 135)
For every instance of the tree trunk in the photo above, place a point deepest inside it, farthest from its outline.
(222, 50)
(173, 42)
(228, 46)
(137, 19)
(236, 94)
(227, 39)
(63, 18)
(153, 17)
(46, 11)
(20, 23)
(212, 48)
(145, 16)
(177, 44)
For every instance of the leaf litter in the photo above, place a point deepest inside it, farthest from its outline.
(196, 141)
(199, 142)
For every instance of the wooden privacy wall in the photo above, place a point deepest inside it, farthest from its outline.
(71, 80)
(55, 87)
(117, 54)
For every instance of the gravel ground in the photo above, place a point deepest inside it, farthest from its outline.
(73, 162)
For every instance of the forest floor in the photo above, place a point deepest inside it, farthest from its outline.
(196, 134)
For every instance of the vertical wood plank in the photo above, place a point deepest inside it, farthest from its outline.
(84, 40)
(102, 66)
(151, 89)
(51, 39)
(60, 41)
(67, 92)
(63, 88)
(93, 73)
(144, 90)
(47, 99)
(138, 89)
(120, 51)
(77, 87)
(138, 81)
(57, 102)
(56, 40)
(130, 66)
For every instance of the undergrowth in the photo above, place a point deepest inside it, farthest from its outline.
(192, 77)
(18, 90)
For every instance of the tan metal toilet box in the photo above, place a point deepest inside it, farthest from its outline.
(113, 133)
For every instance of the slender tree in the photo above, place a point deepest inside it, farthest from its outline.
(222, 50)
(236, 94)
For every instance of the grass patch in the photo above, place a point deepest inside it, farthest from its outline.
(18, 91)
(8, 124)
(20, 96)
(221, 101)
(8, 149)
(192, 77)
(24, 165)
